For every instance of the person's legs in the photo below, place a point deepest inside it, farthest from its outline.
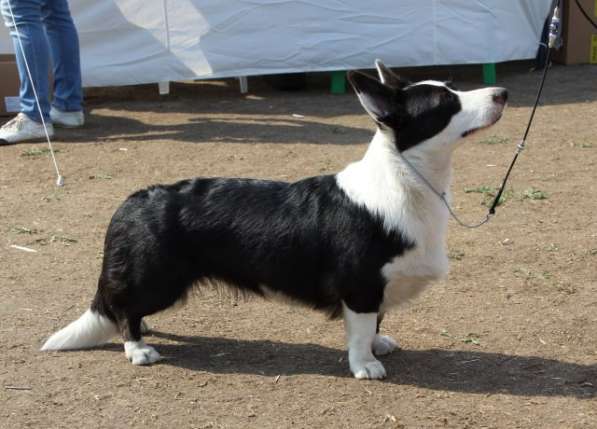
(64, 50)
(27, 14)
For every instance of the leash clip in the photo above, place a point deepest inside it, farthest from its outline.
(521, 146)
(555, 29)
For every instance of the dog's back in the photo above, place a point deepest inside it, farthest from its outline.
(306, 240)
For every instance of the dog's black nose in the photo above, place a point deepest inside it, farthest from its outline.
(501, 96)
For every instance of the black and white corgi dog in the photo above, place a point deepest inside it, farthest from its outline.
(354, 244)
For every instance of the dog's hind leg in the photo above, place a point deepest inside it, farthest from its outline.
(382, 344)
(360, 333)
(145, 328)
(117, 298)
(135, 348)
(129, 302)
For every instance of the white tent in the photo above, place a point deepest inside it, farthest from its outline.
(141, 41)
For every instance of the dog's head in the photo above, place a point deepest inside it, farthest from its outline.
(428, 113)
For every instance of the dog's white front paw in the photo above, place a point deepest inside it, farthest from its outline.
(140, 353)
(368, 370)
(145, 356)
(383, 344)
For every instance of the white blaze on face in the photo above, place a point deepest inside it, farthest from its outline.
(479, 109)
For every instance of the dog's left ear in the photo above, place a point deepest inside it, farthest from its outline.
(388, 77)
(379, 100)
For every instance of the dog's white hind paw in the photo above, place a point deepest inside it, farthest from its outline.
(371, 370)
(140, 353)
(383, 344)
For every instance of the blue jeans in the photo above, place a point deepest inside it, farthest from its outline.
(47, 34)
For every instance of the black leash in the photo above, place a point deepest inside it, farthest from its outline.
(554, 40)
(554, 43)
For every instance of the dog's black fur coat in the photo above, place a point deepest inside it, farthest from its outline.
(304, 239)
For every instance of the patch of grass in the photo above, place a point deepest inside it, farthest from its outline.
(489, 194)
(37, 151)
(495, 140)
(533, 194)
(566, 288)
(523, 273)
(544, 279)
(25, 230)
(506, 195)
(44, 241)
(63, 239)
(552, 247)
(472, 339)
(480, 190)
(583, 145)
(55, 196)
(456, 254)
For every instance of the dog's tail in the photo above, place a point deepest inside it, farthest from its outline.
(91, 329)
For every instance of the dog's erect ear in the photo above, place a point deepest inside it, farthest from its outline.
(379, 100)
(388, 77)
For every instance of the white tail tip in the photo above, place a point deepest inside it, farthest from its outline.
(91, 329)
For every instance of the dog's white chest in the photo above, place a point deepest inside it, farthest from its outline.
(409, 274)
(383, 184)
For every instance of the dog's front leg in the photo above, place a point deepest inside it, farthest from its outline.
(360, 334)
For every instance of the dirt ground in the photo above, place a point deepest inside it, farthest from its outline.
(509, 340)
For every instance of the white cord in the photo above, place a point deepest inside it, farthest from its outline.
(59, 178)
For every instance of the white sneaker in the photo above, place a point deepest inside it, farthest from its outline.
(21, 128)
(67, 119)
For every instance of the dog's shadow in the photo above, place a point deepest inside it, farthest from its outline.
(446, 370)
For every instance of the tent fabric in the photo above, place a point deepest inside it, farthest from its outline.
(139, 41)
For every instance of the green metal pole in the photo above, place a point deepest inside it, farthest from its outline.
(489, 74)
(338, 85)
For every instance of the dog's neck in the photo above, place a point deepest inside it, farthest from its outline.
(388, 186)
(432, 163)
